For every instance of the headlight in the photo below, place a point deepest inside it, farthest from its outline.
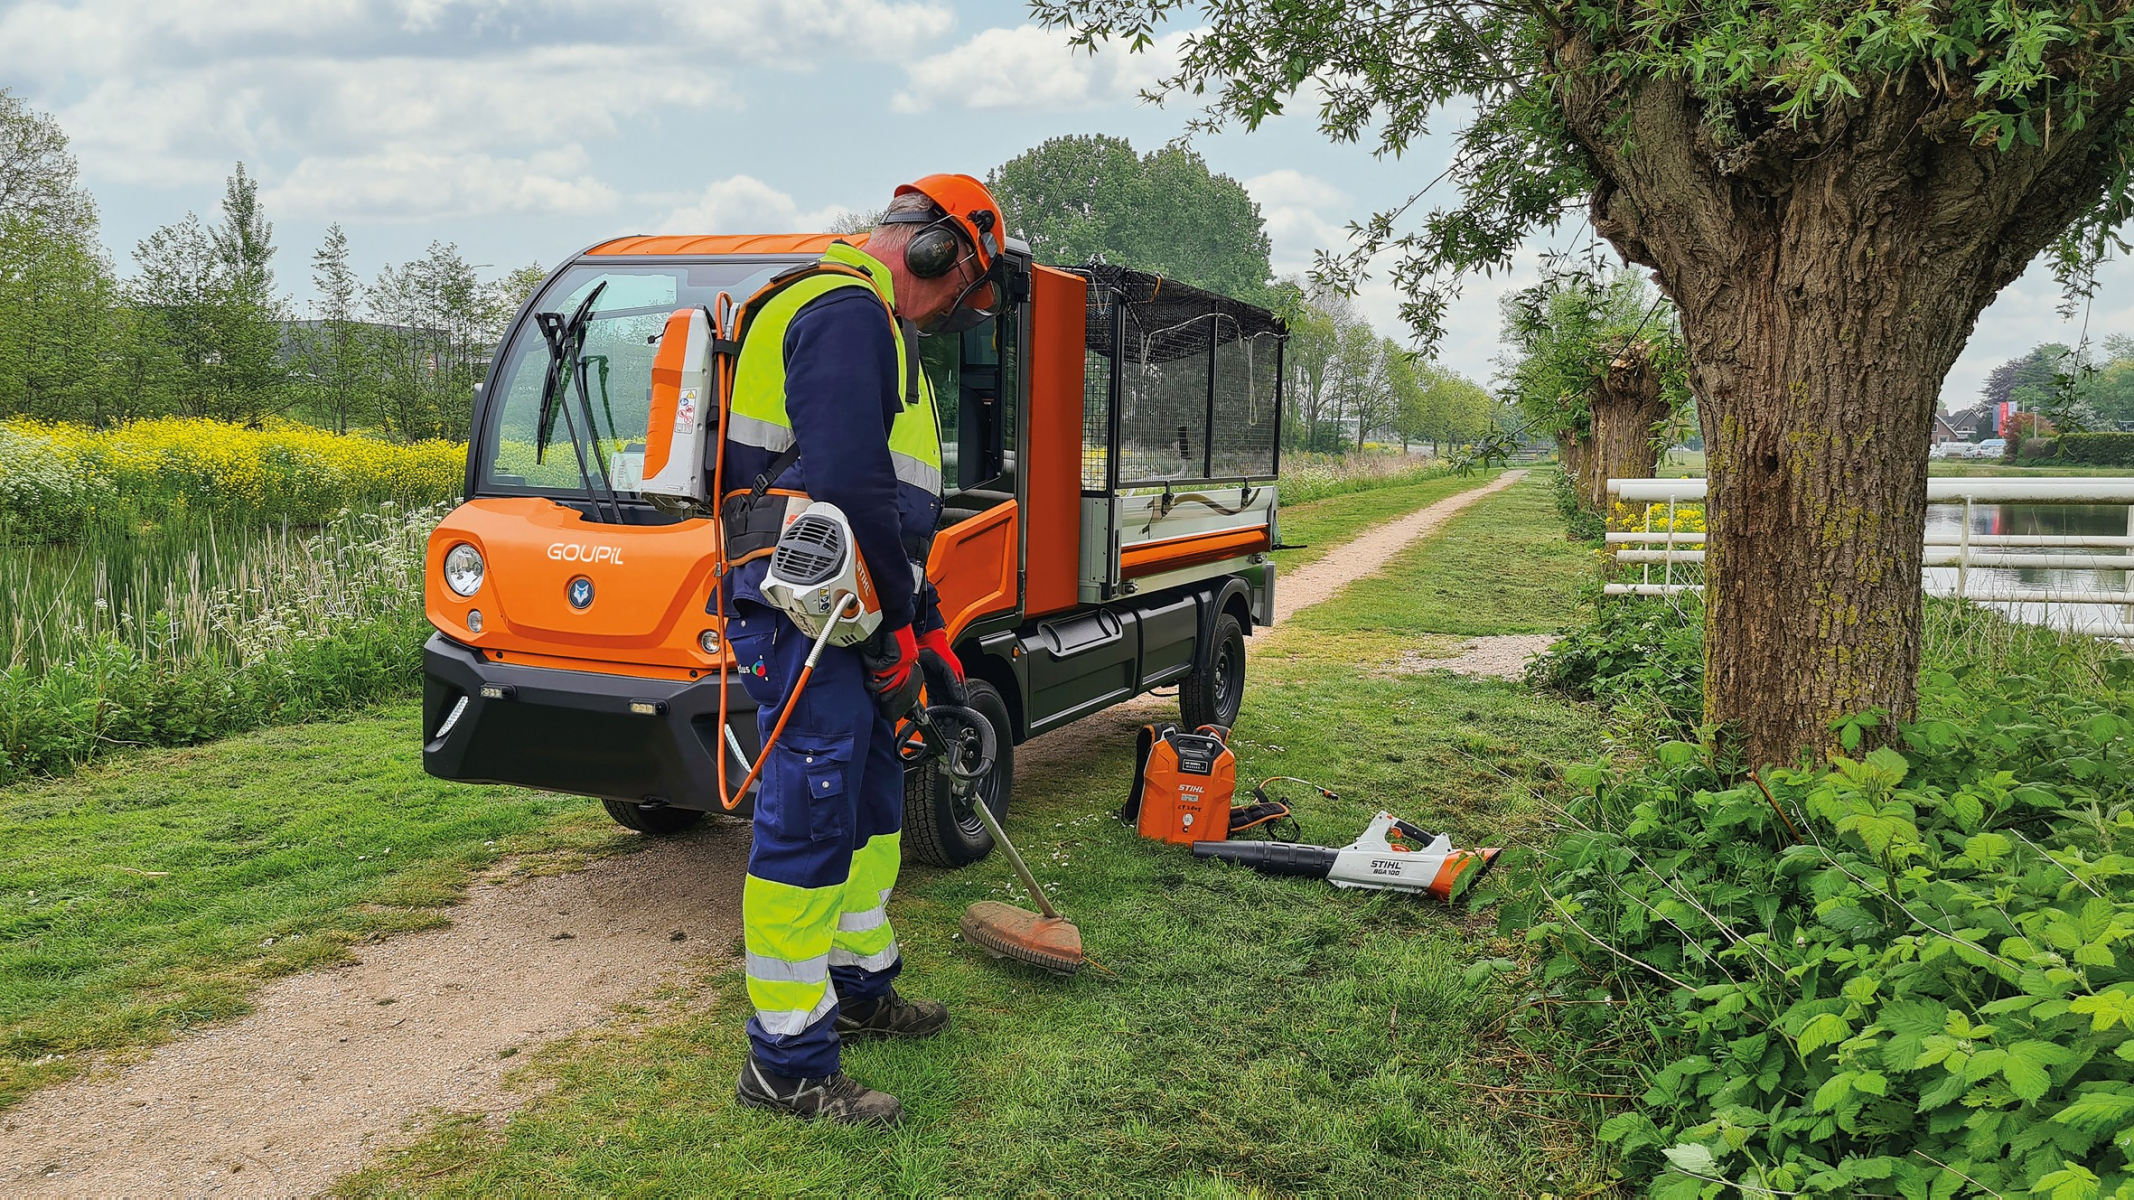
(463, 569)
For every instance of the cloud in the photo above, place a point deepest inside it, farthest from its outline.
(493, 101)
(1304, 214)
(1030, 67)
(412, 186)
(745, 204)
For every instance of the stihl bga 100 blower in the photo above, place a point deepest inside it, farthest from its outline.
(1381, 858)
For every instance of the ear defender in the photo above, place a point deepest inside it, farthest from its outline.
(933, 251)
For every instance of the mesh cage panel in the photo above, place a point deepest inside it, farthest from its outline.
(1247, 417)
(1193, 368)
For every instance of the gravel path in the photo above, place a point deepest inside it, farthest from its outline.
(1501, 657)
(332, 1065)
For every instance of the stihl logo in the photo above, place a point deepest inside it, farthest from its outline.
(573, 552)
(1380, 866)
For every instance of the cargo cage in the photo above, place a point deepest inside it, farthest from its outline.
(1181, 430)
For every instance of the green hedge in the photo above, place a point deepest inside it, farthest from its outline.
(2098, 449)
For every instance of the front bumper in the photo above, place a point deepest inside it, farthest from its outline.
(574, 731)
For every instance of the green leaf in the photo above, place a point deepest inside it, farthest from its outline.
(1889, 763)
(2071, 1182)
(2026, 1078)
(1823, 1030)
(1833, 1091)
(1986, 849)
(2097, 1111)
(2105, 1009)
(1984, 1064)
(1966, 810)
(1693, 1157)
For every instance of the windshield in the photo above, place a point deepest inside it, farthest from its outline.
(631, 309)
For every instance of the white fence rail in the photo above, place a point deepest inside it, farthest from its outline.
(2111, 611)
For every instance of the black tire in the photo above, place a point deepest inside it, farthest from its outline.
(1215, 691)
(935, 832)
(654, 821)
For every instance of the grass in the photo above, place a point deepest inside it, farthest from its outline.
(1261, 1035)
(153, 894)
(135, 899)
(1320, 525)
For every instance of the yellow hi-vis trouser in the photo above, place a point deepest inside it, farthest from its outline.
(828, 841)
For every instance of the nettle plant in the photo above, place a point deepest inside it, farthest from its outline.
(1905, 973)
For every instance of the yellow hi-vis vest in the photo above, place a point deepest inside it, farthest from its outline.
(758, 421)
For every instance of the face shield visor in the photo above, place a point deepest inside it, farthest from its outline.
(975, 304)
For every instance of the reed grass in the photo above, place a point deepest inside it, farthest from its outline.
(192, 632)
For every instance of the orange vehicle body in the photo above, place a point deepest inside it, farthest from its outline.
(586, 656)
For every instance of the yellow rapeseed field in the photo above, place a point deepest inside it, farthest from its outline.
(56, 478)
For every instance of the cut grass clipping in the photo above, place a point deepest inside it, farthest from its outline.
(1270, 1034)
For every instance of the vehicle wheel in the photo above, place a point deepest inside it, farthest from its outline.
(1215, 690)
(655, 821)
(936, 830)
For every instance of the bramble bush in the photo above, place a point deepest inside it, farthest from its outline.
(1641, 658)
(1901, 973)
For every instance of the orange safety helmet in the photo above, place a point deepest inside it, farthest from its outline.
(966, 202)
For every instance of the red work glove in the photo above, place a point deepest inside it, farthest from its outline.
(889, 657)
(935, 641)
(944, 674)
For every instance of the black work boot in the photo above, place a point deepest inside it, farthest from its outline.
(836, 1097)
(892, 1016)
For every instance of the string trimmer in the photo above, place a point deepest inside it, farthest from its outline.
(1047, 941)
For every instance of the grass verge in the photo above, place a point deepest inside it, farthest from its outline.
(1261, 1034)
(1321, 526)
(153, 894)
(138, 899)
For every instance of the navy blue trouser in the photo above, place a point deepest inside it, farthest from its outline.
(828, 833)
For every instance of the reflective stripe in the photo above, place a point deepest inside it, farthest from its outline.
(792, 1022)
(859, 922)
(924, 476)
(807, 970)
(787, 922)
(759, 433)
(879, 961)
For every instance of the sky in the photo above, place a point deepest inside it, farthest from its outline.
(523, 131)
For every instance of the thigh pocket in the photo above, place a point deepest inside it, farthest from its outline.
(752, 644)
(814, 769)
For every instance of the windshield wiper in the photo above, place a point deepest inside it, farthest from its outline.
(566, 344)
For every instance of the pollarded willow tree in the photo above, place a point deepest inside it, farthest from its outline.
(1597, 362)
(1829, 193)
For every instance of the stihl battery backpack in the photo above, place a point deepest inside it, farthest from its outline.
(1183, 783)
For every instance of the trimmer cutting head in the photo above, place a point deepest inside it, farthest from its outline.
(1005, 931)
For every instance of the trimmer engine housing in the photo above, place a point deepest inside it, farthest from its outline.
(816, 571)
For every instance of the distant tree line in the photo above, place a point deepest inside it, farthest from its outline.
(1092, 198)
(199, 328)
(2073, 389)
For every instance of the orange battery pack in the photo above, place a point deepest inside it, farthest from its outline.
(1183, 783)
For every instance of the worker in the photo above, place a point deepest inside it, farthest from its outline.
(830, 404)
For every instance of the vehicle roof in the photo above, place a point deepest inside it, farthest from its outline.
(695, 245)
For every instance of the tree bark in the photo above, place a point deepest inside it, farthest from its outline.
(1625, 407)
(1573, 451)
(1827, 276)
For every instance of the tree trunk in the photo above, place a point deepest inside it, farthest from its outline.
(1827, 276)
(1625, 408)
(1572, 451)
